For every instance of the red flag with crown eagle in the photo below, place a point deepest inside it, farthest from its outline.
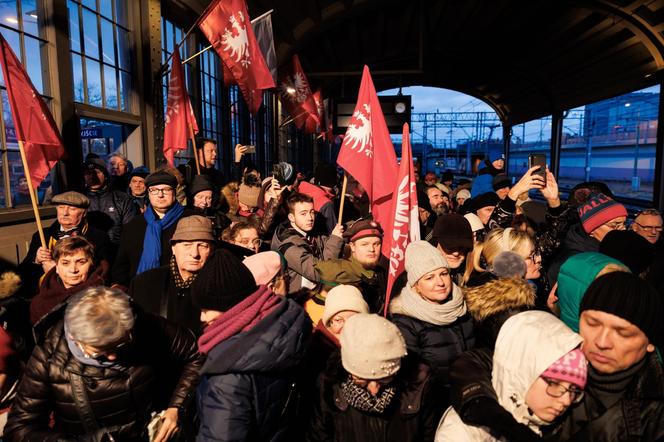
(179, 113)
(296, 96)
(226, 25)
(367, 152)
(404, 224)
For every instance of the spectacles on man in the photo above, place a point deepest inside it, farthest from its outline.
(653, 228)
(164, 191)
(103, 356)
(617, 225)
(556, 389)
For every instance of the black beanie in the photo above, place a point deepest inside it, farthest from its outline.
(630, 248)
(326, 175)
(199, 184)
(629, 297)
(485, 200)
(501, 181)
(222, 283)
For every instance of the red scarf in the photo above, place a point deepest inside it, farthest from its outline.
(242, 317)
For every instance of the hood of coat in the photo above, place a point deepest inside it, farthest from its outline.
(497, 296)
(576, 274)
(528, 343)
(277, 343)
(578, 241)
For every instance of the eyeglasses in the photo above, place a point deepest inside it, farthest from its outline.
(102, 356)
(616, 225)
(653, 228)
(164, 191)
(533, 256)
(556, 389)
(254, 242)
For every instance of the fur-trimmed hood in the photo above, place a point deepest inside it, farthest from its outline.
(498, 296)
(10, 283)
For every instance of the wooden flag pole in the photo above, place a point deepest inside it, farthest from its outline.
(343, 198)
(33, 195)
(193, 143)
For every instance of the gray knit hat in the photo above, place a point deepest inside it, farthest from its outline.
(422, 258)
(371, 346)
(343, 298)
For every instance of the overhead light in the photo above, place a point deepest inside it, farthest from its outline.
(11, 20)
(400, 107)
(290, 90)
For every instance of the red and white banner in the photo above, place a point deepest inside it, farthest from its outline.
(179, 113)
(367, 152)
(296, 96)
(227, 26)
(404, 225)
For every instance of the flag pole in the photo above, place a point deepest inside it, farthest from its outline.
(343, 198)
(33, 195)
(193, 143)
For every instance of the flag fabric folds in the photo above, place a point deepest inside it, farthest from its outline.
(179, 113)
(226, 25)
(296, 96)
(403, 225)
(367, 152)
(33, 121)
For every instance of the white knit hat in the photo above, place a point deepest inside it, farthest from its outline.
(475, 222)
(463, 193)
(343, 298)
(371, 346)
(422, 258)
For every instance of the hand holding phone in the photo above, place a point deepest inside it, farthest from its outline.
(538, 159)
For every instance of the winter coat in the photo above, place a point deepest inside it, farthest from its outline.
(493, 303)
(574, 278)
(576, 241)
(109, 211)
(131, 249)
(302, 254)
(409, 417)
(156, 293)
(246, 387)
(162, 374)
(638, 416)
(527, 344)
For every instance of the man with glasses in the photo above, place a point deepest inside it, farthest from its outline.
(102, 371)
(648, 223)
(146, 239)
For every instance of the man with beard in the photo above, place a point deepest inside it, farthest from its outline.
(361, 269)
(439, 200)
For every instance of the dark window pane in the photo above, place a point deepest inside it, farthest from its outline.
(30, 17)
(107, 41)
(110, 87)
(8, 14)
(125, 89)
(122, 13)
(90, 35)
(79, 87)
(34, 62)
(94, 82)
(74, 30)
(124, 47)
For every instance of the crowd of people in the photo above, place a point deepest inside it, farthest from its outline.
(180, 304)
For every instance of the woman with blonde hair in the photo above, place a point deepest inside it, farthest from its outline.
(479, 264)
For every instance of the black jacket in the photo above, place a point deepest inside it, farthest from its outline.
(156, 293)
(131, 249)
(163, 373)
(576, 241)
(410, 416)
(246, 383)
(109, 211)
(217, 178)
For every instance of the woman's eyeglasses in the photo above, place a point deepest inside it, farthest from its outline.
(556, 389)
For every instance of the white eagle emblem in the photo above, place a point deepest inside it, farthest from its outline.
(236, 41)
(295, 88)
(358, 136)
(173, 101)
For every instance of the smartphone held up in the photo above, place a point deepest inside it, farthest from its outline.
(538, 159)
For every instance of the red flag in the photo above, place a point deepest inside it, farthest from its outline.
(33, 121)
(179, 113)
(296, 95)
(367, 152)
(403, 226)
(315, 122)
(226, 25)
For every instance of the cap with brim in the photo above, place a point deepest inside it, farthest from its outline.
(71, 198)
(161, 177)
(193, 228)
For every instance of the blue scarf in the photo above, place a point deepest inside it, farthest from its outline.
(150, 259)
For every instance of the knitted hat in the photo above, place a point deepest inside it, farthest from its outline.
(453, 231)
(222, 283)
(140, 171)
(363, 228)
(193, 228)
(199, 184)
(630, 248)
(485, 200)
(475, 222)
(572, 368)
(443, 188)
(501, 181)
(264, 266)
(94, 162)
(509, 265)
(599, 209)
(71, 198)
(535, 212)
(161, 177)
(248, 195)
(422, 258)
(629, 297)
(343, 298)
(371, 346)
(496, 153)
(463, 193)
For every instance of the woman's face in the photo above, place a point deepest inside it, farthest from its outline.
(435, 286)
(533, 265)
(544, 405)
(73, 269)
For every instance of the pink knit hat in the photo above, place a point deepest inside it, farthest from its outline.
(264, 266)
(571, 367)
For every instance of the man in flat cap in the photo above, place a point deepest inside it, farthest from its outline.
(71, 209)
(361, 269)
(145, 242)
(165, 291)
